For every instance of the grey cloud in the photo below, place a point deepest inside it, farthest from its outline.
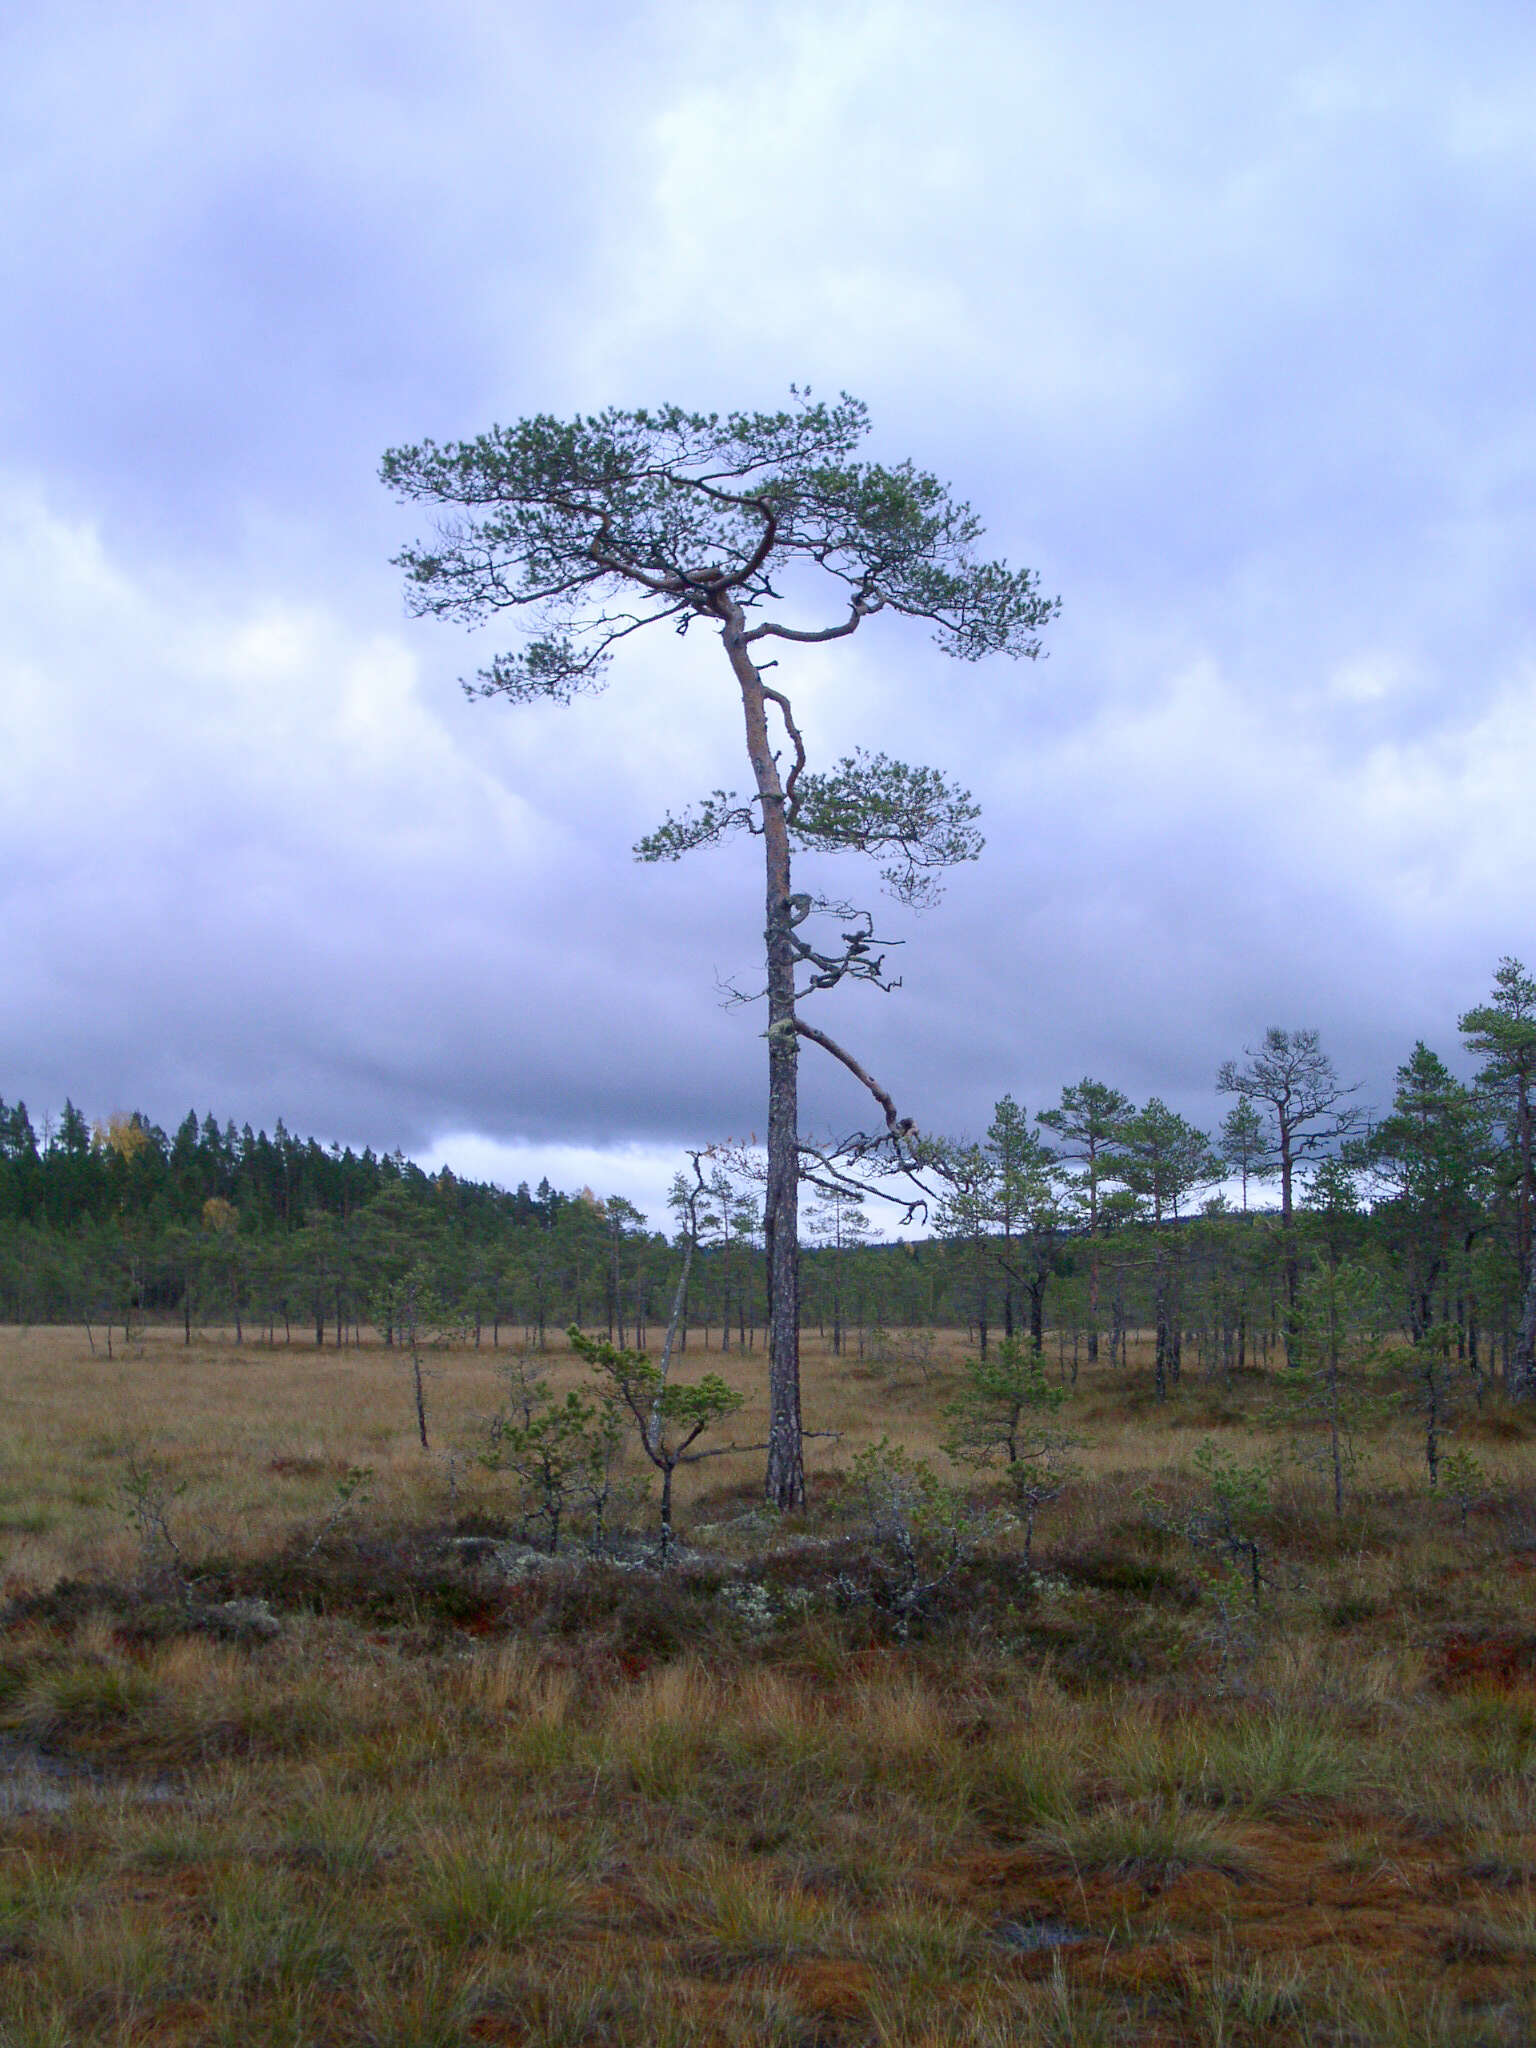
(1220, 318)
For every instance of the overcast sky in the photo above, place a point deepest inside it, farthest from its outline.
(1220, 317)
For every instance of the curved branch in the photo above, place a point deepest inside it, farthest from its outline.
(778, 697)
(898, 1126)
(761, 506)
(829, 1176)
(769, 630)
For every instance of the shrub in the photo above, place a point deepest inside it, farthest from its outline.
(563, 1456)
(920, 1531)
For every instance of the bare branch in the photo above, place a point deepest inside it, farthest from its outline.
(770, 630)
(832, 1178)
(898, 1126)
(854, 961)
(778, 697)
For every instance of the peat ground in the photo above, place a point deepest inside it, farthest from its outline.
(286, 1756)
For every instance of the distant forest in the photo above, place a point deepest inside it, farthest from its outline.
(1066, 1229)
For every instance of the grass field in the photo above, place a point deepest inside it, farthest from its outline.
(452, 1799)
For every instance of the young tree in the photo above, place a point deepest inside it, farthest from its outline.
(1429, 1160)
(1503, 1033)
(604, 525)
(670, 1415)
(838, 1224)
(1336, 1308)
(562, 1454)
(1026, 1215)
(1292, 1082)
(1088, 1119)
(1244, 1145)
(963, 1223)
(228, 1255)
(419, 1319)
(1006, 1408)
(1165, 1161)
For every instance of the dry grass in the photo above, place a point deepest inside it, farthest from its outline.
(598, 1806)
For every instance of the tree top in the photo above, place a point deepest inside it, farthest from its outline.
(609, 522)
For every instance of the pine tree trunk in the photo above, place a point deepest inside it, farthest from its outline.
(785, 1479)
(1521, 1372)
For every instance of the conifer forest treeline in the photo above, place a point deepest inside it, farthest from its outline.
(1065, 1229)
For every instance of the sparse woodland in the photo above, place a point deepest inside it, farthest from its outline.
(397, 1647)
(1074, 1228)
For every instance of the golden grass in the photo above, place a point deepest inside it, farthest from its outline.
(1102, 1806)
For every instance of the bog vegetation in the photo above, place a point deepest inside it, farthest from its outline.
(313, 1736)
(397, 1647)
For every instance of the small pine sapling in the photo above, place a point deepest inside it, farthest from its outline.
(421, 1320)
(526, 1385)
(352, 1490)
(1239, 1497)
(1322, 1400)
(149, 1495)
(1424, 1388)
(563, 1455)
(1227, 1521)
(1463, 1482)
(1004, 1411)
(670, 1415)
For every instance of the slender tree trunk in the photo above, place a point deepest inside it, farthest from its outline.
(1523, 1137)
(1288, 1228)
(420, 1392)
(1520, 1376)
(679, 1311)
(784, 1483)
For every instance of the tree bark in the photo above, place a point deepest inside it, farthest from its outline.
(1521, 1381)
(784, 1484)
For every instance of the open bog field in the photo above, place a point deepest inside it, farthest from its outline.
(302, 1744)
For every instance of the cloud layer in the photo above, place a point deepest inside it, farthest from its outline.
(1220, 320)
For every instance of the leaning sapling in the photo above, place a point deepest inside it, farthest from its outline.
(352, 1490)
(670, 1415)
